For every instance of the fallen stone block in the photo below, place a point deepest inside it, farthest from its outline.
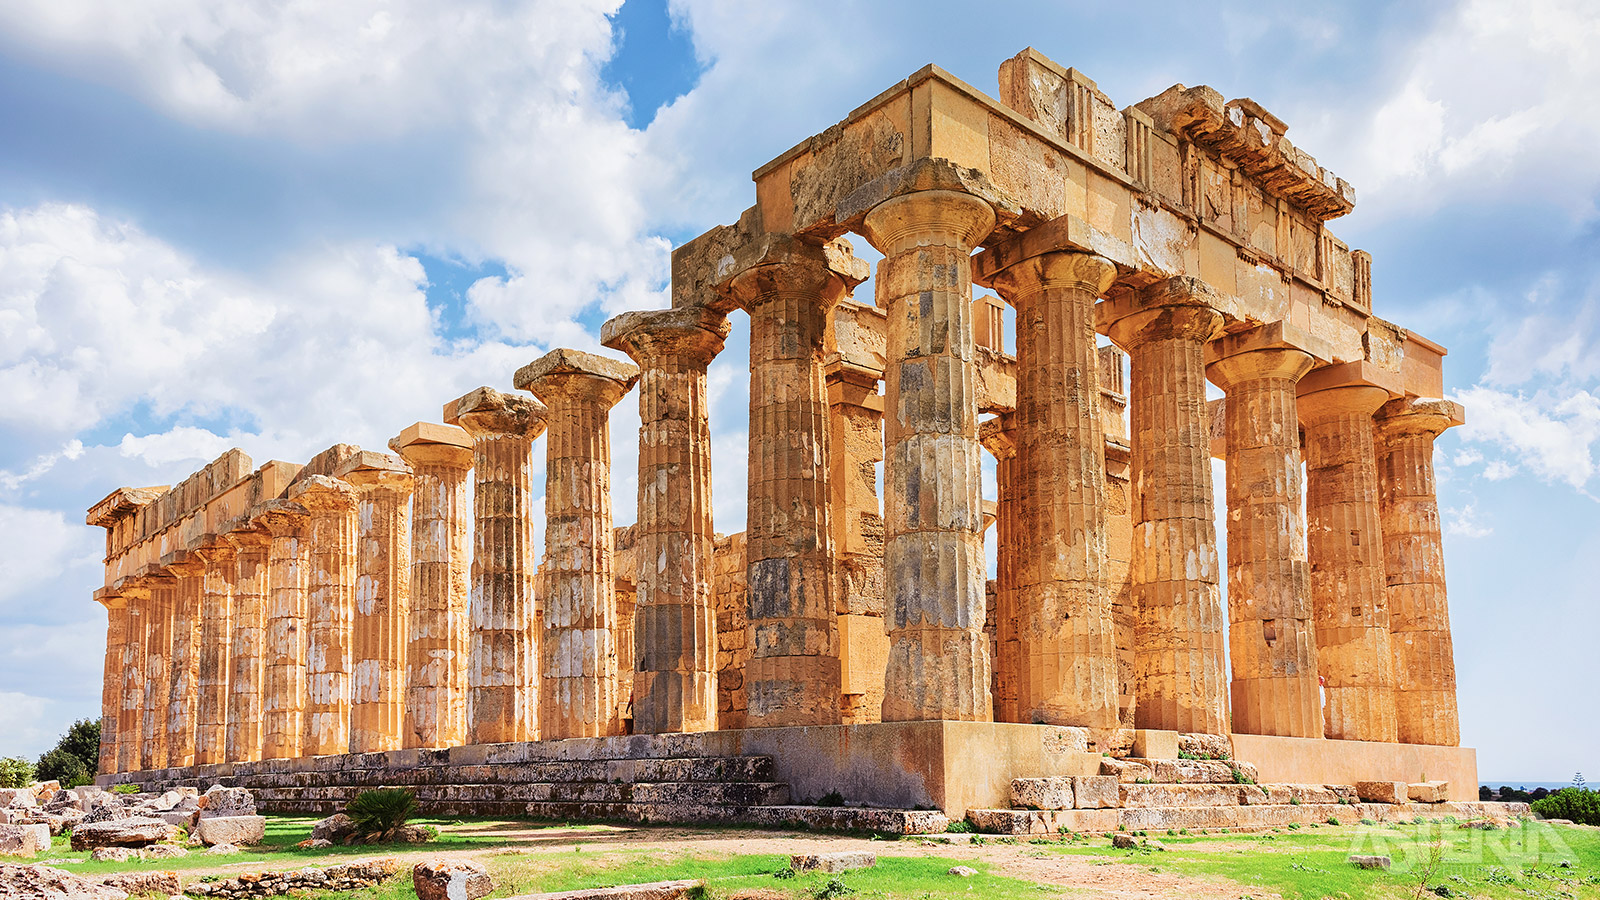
(1095, 791)
(238, 830)
(1383, 791)
(1429, 791)
(1042, 793)
(833, 863)
(450, 880)
(1123, 841)
(1369, 862)
(17, 797)
(656, 890)
(162, 883)
(162, 851)
(24, 840)
(1205, 746)
(1006, 821)
(48, 883)
(220, 802)
(962, 871)
(134, 832)
(1124, 771)
(112, 854)
(1152, 744)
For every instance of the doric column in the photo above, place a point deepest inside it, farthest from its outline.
(1413, 552)
(183, 687)
(578, 659)
(247, 661)
(158, 670)
(938, 664)
(1271, 635)
(112, 678)
(502, 673)
(1178, 661)
(440, 457)
(1068, 665)
(283, 700)
(999, 436)
(216, 644)
(130, 742)
(330, 608)
(675, 638)
(382, 604)
(1345, 547)
(792, 677)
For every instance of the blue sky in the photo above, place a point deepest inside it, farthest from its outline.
(226, 224)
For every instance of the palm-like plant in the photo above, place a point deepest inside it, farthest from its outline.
(380, 813)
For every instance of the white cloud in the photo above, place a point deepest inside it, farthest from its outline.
(1552, 435)
(1463, 521)
(41, 465)
(22, 721)
(39, 545)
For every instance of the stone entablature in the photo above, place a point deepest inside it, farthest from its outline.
(375, 612)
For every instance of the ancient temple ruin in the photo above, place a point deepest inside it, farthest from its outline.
(384, 618)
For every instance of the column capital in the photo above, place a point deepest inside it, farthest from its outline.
(121, 503)
(574, 374)
(1179, 307)
(931, 217)
(1353, 387)
(693, 333)
(928, 176)
(323, 493)
(216, 549)
(279, 518)
(487, 413)
(1418, 415)
(134, 587)
(430, 444)
(784, 264)
(180, 563)
(1275, 350)
(998, 435)
(248, 537)
(1053, 270)
(370, 469)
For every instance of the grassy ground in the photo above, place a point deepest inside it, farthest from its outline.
(1537, 862)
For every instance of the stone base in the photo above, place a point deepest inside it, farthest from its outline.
(947, 766)
(1223, 818)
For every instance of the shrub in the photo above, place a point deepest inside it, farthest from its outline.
(125, 788)
(831, 798)
(783, 874)
(379, 814)
(15, 772)
(1581, 806)
(59, 765)
(834, 888)
(959, 826)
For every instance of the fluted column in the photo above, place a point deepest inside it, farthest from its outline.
(578, 660)
(1271, 634)
(792, 677)
(1178, 658)
(1068, 646)
(675, 634)
(502, 674)
(130, 717)
(247, 669)
(283, 700)
(1345, 547)
(440, 457)
(158, 671)
(383, 486)
(1413, 552)
(999, 436)
(183, 687)
(330, 608)
(933, 550)
(111, 685)
(216, 644)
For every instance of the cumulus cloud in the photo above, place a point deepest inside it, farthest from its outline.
(1553, 436)
(39, 545)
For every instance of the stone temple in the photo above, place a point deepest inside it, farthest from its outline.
(369, 618)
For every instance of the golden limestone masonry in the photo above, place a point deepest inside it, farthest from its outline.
(364, 619)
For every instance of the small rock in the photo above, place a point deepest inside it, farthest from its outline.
(450, 880)
(1123, 841)
(222, 850)
(24, 840)
(335, 828)
(162, 851)
(314, 844)
(962, 871)
(1369, 862)
(833, 863)
(112, 854)
(46, 883)
(144, 882)
(411, 834)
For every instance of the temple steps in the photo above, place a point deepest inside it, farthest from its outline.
(1226, 818)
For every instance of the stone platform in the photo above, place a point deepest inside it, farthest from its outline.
(890, 774)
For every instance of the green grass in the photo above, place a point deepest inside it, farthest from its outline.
(1509, 863)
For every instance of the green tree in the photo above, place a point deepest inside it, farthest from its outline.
(15, 772)
(59, 765)
(75, 757)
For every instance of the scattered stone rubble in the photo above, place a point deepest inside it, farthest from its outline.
(49, 883)
(450, 880)
(344, 877)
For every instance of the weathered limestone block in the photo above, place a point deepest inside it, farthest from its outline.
(1419, 615)
(440, 457)
(24, 840)
(456, 879)
(1163, 795)
(933, 512)
(1345, 547)
(833, 863)
(793, 675)
(578, 663)
(215, 652)
(1126, 772)
(236, 830)
(134, 832)
(183, 690)
(675, 686)
(1429, 791)
(1095, 791)
(330, 607)
(730, 596)
(1383, 791)
(1054, 792)
(382, 609)
(247, 659)
(502, 664)
(1068, 667)
(1179, 638)
(1151, 743)
(999, 437)
(284, 642)
(1271, 636)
